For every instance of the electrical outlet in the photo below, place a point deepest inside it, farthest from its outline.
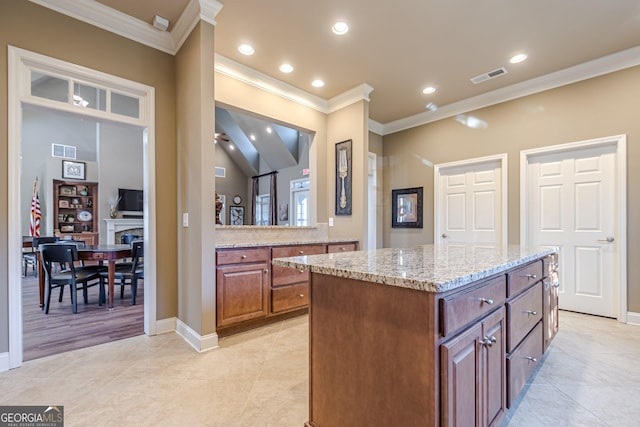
(185, 219)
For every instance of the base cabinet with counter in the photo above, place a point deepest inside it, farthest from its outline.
(251, 292)
(388, 354)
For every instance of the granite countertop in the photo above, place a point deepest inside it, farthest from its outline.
(431, 268)
(287, 242)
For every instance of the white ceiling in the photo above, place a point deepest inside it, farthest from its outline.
(400, 47)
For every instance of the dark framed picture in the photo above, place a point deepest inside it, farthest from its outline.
(73, 170)
(343, 178)
(236, 214)
(406, 209)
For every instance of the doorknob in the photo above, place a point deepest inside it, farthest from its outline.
(609, 239)
(444, 236)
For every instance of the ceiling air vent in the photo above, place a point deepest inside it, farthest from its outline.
(63, 151)
(487, 76)
(220, 172)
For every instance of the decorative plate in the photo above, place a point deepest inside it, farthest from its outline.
(85, 216)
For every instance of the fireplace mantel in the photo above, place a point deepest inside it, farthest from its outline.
(116, 225)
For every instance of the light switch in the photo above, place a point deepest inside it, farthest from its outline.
(185, 219)
(330, 221)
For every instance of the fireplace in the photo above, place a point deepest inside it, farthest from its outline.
(116, 227)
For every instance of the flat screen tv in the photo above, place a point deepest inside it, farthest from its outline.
(130, 200)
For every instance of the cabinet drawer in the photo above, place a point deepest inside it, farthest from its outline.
(289, 297)
(522, 314)
(297, 250)
(520, 279)
(286, 276)
(459, 309)
(240, 256)
(522, 362)
(340, 247)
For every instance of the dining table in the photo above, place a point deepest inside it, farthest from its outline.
(102, 253)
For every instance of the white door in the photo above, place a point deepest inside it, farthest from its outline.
(471, 201)
(572, 197)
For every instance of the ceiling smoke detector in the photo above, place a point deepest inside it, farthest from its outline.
(488, 76)
(160, 23)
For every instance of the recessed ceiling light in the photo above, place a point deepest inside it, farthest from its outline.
(431, 106)
(246, 49)
(317, 83)
(252, 137)
(340, 28)
(232, 147)
(269, 130)
(428, 90)
(286, 68)
(518, 58)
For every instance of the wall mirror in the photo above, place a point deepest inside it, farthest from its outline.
(262, 160)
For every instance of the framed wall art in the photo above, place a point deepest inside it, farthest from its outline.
(73, 170)
(343, 178)
(236, 214)
(406, 209)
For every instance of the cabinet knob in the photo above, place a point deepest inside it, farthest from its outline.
(531, 276)
(487, 300)
(531, 312)
(556, 285)
(301, 271)
(243, 256)
(301, 295)
(533, 359)
(301, 252)
(266, 270)
(342, 249)
(488, 341)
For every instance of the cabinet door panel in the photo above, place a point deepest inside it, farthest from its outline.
(461, 379)
(287, 276)
(495, 401)
(523, 314)
(242, 293)
(289, 297)
(520, 279)
(522, 362)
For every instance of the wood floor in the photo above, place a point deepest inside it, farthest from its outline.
(61, 331)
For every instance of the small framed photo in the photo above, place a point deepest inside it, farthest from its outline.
(237, 215)
(73, 170)
(406, 210)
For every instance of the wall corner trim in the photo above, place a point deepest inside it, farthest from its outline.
(198, 342)
(4, 362)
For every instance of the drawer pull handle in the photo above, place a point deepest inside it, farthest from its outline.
(531, 276)
(531, 312)
(243, 256)
(301, 295)
(533, 359)
(488, 301)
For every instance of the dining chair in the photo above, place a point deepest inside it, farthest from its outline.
(66, 255)
(31, 258)
(127, 273)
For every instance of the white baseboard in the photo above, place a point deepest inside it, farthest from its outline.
(4, 362)
(633, 318)
(199, 343)
(166, 325)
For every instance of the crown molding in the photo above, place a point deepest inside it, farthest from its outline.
(111, 20)
(248, 75)
(376, 127)
(587, 70)
(358, 93)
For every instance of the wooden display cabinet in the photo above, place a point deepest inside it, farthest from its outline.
(75, 210)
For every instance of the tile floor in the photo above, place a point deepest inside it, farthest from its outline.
(590, 377)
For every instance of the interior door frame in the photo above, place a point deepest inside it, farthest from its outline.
(439, 169)
(620, 173)
(20, 62)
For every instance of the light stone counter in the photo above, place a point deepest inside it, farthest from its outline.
(432, 268)
(254, 236)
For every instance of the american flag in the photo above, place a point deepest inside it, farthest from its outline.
(36, 215)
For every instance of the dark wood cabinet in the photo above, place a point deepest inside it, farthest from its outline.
(242, 286)
(75, 210)
(473, 374)
(247, 297)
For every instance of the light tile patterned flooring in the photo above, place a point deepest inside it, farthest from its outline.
(590, 377)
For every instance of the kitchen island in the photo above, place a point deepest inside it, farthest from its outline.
(425, 336)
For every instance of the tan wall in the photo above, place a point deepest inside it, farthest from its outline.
(375, 146)
(196, 180)
(234, 93)
(26, 25)
(603, 106)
